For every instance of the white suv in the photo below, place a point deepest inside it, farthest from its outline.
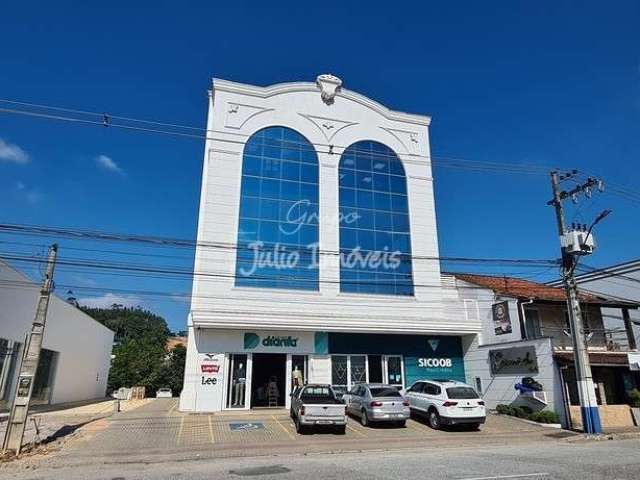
(446, 402)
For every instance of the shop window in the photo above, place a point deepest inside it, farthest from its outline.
(277, 243)
(375, 243)
(299, 370)
(237, 381)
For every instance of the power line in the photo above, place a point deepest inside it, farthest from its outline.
(84, 234)
(106, 120)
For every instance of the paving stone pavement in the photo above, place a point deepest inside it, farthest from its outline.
(158, 426)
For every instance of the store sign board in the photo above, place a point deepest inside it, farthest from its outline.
(263, 341)
(513, 361)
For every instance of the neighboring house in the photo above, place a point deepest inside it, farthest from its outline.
(525, 333)
(317, 254)
(75, 359)
(620, 281)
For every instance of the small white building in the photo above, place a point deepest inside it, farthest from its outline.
(525, 334)
(76, 355)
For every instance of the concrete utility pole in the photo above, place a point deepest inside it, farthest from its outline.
(29, 365)
(584, 379)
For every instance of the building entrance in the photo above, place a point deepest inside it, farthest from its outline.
(268, 382)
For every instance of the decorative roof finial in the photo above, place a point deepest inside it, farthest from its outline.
(329, 85)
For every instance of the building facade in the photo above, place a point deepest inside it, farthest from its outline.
(317, 256)
(76, 354)
(525, 334)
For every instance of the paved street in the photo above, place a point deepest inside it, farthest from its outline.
(550, 460)
(154, 440)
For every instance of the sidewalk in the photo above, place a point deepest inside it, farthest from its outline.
(48, 423)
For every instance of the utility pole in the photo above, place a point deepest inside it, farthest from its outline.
(584, 378)
(29, 364)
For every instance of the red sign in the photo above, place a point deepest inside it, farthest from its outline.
(209, 368)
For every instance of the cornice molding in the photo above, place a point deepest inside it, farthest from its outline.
(284, 88)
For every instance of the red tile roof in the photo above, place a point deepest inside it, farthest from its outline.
(519, 288)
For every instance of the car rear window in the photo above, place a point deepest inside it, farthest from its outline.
(384, 392)
(461, 393)
(317, 393)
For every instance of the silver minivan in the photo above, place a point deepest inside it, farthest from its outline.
(374, 402)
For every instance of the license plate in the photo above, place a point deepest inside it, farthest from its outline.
(324, 422)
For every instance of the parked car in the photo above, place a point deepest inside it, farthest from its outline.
(317, 405)
(446, 402)
(164, 393)
(377, 403)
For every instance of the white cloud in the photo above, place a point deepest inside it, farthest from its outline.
(31, 195)
(109, 164)
(108, 299)
(11, 153)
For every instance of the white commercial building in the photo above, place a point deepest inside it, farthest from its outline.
(74, 363)
(317, 256)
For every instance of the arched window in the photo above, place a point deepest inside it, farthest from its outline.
(375, 242)
(278, 225)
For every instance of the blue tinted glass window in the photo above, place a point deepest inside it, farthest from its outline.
(278, 224)
(375, 243)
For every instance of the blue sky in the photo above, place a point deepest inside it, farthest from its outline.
(544, 83)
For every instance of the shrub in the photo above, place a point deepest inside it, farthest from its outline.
(520, 412)
(545, 416)
(634, 398)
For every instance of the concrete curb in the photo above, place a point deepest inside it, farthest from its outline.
(531, 422)
(581, 437)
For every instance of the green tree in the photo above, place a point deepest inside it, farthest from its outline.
(140, 355)
(171, 372)
(130, 323)
(135, 363)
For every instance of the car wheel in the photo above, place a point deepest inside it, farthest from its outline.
(341, 429)
(364, 418)
(474, 427)
(434, 419)
(401, 424)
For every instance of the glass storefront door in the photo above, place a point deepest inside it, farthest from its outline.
(393, 370)
(237, 381)
(339, 374)
(357, 370)
(374, 366)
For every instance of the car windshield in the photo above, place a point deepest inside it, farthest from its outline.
(384, 392)
(461, 393)
(317, 393)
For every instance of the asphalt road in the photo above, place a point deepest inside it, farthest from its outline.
(540, 460)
